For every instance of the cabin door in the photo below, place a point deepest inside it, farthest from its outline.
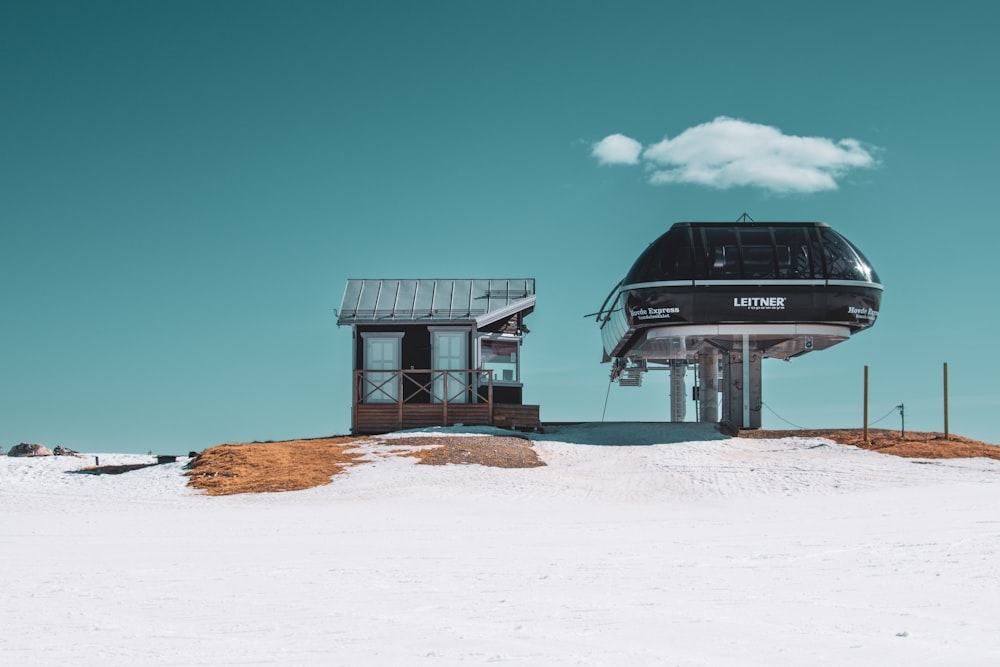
(382, 353)
(449, 350)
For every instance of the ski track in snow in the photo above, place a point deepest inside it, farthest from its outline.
(726, 551)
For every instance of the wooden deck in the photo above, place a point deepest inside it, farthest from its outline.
(414, 406)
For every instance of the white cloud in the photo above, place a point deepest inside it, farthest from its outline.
(728, 152)
(617, 149)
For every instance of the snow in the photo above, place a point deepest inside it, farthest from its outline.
(698, 550)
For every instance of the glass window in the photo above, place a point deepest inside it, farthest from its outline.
(722, 254)
(758, 252)
(843, 261)
(499, 356)
(795, 256)
(667, 258)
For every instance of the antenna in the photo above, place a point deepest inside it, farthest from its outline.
(745, 218)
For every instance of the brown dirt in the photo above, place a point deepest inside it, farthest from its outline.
(492, 451)
(918, 444)
(291, 465)
(294, 465)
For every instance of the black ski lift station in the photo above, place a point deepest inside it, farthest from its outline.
(720, 297)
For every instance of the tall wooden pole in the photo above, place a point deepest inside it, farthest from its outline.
(866, 405)
(946, 400)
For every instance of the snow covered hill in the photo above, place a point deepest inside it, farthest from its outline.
(696, 552)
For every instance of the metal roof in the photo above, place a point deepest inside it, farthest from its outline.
(482, 301)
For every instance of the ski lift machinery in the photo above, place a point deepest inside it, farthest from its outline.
(721, 297)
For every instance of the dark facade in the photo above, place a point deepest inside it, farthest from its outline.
(437, 352)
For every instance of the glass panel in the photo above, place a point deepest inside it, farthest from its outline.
(795, 257)
(667, 258)
(404, 299)
(758, 252)
(722, 256)
(500, 358)
(461, 306)
(449, 353)
(381, 354)
(843, 261)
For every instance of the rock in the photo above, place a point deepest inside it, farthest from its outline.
(727, 427)
(28, 449)
(65, 451)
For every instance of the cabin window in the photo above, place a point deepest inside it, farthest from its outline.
(722, 253)
(382, 361)
(667, 258)
(795, 254)
(758, 253)
(843, 262)
(449, 351)
(499, 356)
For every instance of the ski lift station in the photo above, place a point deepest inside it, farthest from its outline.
(717, 298)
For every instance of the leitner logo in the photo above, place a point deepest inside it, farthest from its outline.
(760, 302)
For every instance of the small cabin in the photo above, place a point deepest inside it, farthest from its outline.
(437, 352)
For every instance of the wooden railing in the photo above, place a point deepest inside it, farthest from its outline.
(443, 388)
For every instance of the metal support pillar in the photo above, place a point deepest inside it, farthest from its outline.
(741, 399)
(752, 417)
(708, 365)
(745, 366)
(678, 390)
(732, 393)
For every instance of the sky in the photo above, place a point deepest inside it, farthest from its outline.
(185, 188)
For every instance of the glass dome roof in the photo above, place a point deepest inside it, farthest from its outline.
(713, 251)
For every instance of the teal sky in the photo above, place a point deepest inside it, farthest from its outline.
(185, 188)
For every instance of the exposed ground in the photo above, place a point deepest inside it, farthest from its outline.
(301, 464)
(291, 465)
(920, 445)
(294, 465)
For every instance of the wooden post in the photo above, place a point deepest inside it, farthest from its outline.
(866, 406)
(444, 399)
(399, 399)
(354, 401)
(946, 400)
(489, 397)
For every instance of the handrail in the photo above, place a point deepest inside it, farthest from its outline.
(408, 386)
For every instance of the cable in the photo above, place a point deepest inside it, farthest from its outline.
(885, 417)
(780, 417)
(606, 396)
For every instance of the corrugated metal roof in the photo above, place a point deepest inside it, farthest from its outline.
(482, 301)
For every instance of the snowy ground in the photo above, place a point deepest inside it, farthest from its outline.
(703, 552)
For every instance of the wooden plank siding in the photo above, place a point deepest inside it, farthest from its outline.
(516, 417)
(373, 419)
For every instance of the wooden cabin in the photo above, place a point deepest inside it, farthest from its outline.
(433, 352)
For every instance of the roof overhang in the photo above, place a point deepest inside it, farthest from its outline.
(505, 312)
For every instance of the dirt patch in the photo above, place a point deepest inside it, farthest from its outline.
(918, 444)
(292, 465)
(295, 465)
(492, 451)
